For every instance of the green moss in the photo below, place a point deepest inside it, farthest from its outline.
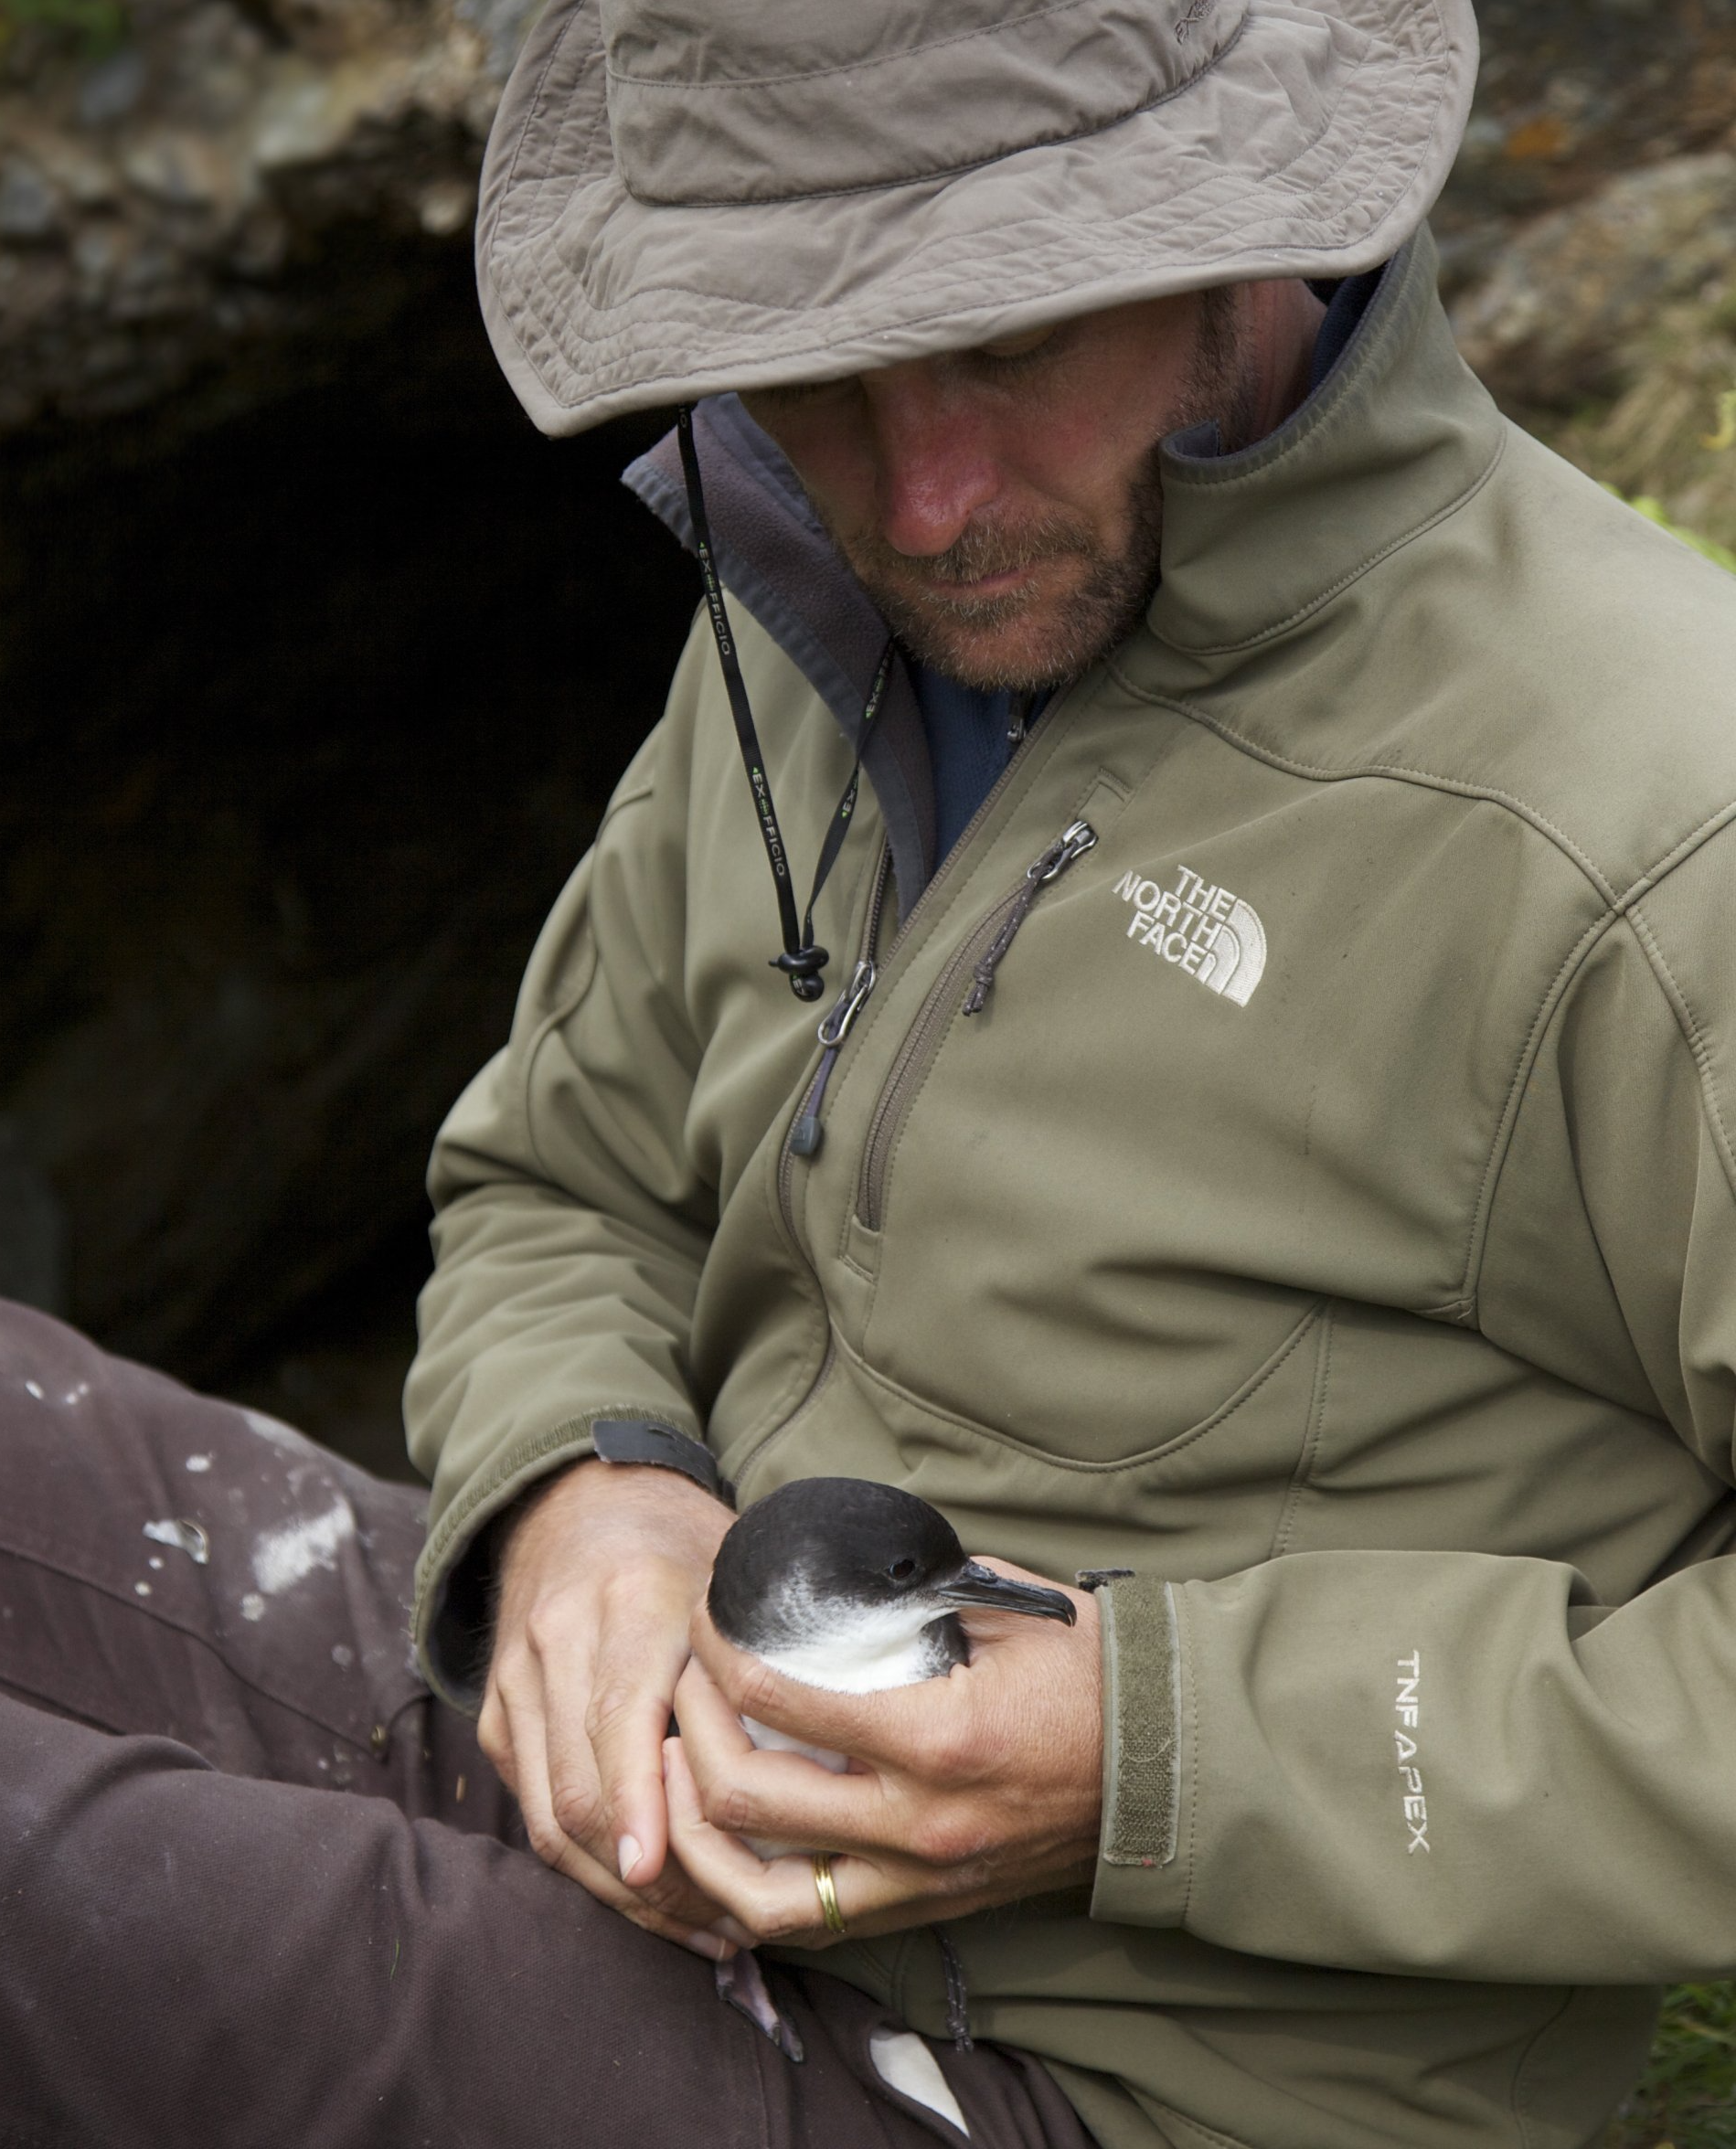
(92, 27)
(1688, 2096)
(1653, 510)
(1668, 436)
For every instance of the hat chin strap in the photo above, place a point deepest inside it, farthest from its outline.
(801, 962)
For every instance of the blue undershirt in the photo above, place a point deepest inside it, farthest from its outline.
(970, 733)
(970, 741)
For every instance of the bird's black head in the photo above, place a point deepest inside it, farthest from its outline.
(827, 1545)
(843, 1538)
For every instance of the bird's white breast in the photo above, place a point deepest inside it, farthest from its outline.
(845, 1650)
(852, 1648)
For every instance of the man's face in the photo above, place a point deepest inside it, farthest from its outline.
(1002, 506)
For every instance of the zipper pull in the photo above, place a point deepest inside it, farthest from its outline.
(807, 1134)
(848, 1006)
(1072, 842)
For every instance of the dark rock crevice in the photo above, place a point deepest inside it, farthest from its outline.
(310, 713)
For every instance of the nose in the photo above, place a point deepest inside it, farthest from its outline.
(934, 461)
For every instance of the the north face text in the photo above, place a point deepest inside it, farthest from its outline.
(1204, 930)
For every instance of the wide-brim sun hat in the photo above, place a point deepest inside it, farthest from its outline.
(682, 196)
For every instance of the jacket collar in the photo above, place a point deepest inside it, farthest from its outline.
(1257, 543)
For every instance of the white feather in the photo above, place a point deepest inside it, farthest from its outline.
(852, 1648)
(846, 1649)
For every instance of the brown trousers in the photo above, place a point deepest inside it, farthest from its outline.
(257, 1888)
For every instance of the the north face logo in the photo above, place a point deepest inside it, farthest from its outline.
(1205, 931)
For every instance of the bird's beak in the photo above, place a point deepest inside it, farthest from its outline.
(999, 1592)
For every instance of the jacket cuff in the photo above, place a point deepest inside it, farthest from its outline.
(1142, 1872)
(650, 1441)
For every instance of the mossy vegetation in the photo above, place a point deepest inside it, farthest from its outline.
(91, 28)
(1665, 440)
(1652, 509)
(1710, 452)
(1687, 2098)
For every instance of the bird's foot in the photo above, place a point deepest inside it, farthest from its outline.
(741, 1982)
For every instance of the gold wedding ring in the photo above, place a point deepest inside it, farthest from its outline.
(828, 1894)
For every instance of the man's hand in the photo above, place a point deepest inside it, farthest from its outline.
(965, 1791)
(600, 1580)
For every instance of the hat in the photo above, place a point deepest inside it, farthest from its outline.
(686, 196)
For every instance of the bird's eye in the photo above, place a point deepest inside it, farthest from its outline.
(901, 1570)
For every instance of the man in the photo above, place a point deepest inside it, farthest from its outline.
(1267, 1146)
(1267, 1133)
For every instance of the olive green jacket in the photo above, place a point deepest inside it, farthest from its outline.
(1329, 1217)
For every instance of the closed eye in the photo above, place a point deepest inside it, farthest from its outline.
(1014, 354)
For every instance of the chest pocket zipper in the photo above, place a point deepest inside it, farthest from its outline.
(978, 958)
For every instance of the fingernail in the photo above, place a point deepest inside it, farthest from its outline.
(628, 1853)
(731, 1930)
(711, 1946)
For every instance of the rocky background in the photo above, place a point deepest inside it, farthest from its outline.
(316, 663)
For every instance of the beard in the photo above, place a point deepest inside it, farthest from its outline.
(996, 642)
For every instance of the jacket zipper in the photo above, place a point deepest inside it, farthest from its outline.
(1072, 842)
(844, 1013)
(980, 955)
(807, 1134)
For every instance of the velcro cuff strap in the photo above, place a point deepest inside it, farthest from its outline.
(641, 1439)
(1142, 1696)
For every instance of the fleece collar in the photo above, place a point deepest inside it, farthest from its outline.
(777, 562)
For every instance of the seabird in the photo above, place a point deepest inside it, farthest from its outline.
(854, 1587)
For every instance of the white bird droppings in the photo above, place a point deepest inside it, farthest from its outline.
(252, 1605)
(156, 1562)
(141, 1589)
(184, 1536)
(32, 1387)
(198, 1465)
(289, 1554)
(342, 1656)
(275, 1430)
